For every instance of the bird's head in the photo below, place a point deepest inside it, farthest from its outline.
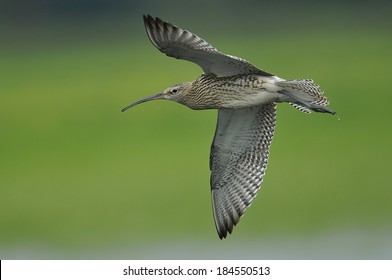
(174, 93)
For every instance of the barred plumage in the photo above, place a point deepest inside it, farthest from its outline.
(307, 95)
(238, 160)
(245, 97)
(182, 44)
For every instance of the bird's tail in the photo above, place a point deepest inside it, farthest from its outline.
(307, 95)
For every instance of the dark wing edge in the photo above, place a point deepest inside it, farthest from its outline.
(239, 158)
(171, 39)
(182, 44)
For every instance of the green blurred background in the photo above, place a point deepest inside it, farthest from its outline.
(79, 179)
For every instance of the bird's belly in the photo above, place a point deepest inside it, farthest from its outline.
(247, 99)
(261, 90)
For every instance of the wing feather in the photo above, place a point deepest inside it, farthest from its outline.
(182, 44)
(239, 158)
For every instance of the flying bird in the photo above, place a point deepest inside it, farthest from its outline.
(246, 98)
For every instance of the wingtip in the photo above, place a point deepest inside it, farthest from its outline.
(147, 18)
(150, 19)
(156, 23)
(222, 233)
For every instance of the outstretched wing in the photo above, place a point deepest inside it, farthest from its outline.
(239, 157)
(182, 44)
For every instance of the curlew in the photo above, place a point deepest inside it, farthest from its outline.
(246, 98)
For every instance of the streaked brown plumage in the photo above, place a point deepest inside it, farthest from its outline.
(245, 97)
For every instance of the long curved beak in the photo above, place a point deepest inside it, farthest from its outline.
(149, 98)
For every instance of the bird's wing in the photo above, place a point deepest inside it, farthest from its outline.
(182, 44)
(239, 157)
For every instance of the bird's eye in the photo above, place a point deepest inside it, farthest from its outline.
(174, 91)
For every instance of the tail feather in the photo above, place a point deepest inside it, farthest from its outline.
(307, 95)
(300, 107)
